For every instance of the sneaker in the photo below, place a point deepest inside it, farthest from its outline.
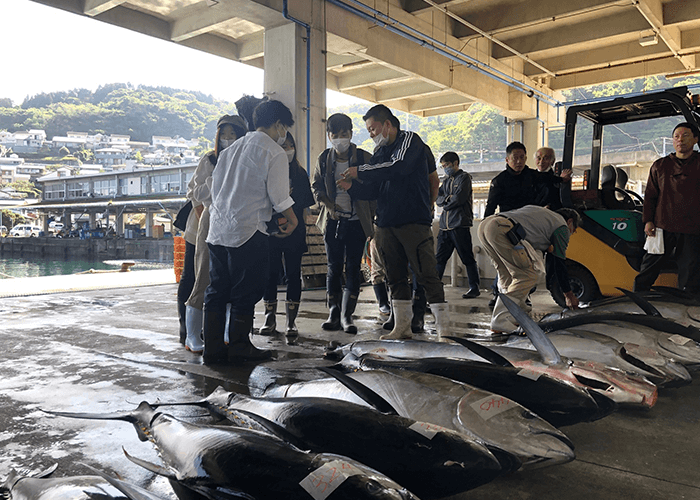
(472, 293)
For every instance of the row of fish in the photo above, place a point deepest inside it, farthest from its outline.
(412, 419)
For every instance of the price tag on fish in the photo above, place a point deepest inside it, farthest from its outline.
(532, 375)
(491, 406)
(679, 339)
(426, 429)
(324, 480)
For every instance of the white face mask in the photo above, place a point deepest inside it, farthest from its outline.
(224, 143)
(283, 136)
(341, 145)
(290, 154)
(380, 140)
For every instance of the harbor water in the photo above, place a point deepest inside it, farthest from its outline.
(11, 267)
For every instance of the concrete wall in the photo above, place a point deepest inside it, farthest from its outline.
(160, 250)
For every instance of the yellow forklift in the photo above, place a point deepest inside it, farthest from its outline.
(606, 251)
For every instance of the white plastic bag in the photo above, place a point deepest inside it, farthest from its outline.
(655, 244)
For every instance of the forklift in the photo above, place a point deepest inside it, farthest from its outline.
(606, 251)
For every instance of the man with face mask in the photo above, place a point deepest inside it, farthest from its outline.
(251, 179)
(346, 223)
(455, 198)
(397, 177)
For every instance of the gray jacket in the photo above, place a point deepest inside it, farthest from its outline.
(455, 198)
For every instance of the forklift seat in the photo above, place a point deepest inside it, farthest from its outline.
(610, 191)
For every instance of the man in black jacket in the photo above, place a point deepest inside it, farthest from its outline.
(455, 198)
(397, 177)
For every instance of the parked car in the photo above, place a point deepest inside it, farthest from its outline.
(55, 227)
(25, 230)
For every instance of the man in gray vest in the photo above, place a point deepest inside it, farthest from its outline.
(515, 242)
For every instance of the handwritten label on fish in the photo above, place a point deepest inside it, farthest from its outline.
(491, 406)
(532, 375)
(326, 479)
(679, 339)
(426, 429)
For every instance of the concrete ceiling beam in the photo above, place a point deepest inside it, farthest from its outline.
(369, 76)
(438, 102)
(407, 91)
(96, 7)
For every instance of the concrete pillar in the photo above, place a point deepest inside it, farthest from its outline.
(286, 77)
(119, 224)
(92, 217)
(149, 224)
(532, 138)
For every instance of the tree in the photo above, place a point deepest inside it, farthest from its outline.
(23, 186)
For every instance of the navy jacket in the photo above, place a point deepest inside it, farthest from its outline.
(509, 190)
(397, 177)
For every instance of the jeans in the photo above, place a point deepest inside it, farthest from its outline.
(345, 242)
(292, 268)
(459, 238)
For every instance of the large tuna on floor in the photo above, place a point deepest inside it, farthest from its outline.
(493, 419)
(558, 402)
(39, 486)
(431, 461)
(232, 462)
(661, 335)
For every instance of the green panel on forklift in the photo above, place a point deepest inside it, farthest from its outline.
(626, 224)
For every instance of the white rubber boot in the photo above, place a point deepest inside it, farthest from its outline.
(194, 319)
(442, 319)
(403, 313)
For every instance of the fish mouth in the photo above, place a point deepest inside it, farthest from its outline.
(559, 450)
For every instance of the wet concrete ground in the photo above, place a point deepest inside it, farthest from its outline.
(107, 350)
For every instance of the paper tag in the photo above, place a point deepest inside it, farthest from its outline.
(532, 375)
(679, 339)
(491, 406)
(326, 479)
(426, 429)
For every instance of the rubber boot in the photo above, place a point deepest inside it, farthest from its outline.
(215, 351)
(333, 321)
(442, 319)
(402, 310)
(418, 309)
(389, 323)
(195, 320)
(349, 304)
(382, 298)
(240, 347)
(291, 309)
(182, 316)
(270, 326)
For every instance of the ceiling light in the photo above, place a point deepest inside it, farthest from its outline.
(648, 40)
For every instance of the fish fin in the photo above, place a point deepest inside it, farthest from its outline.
(156, 469)
(275, 429)
(482, 351)
(644, 304)
(361, 390)
(674, 292)
(544, 346)
(131, 491)
(125, 416)
(15, 476)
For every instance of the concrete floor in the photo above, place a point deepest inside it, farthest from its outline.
(107, 350)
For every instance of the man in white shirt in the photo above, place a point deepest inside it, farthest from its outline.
(251, 180)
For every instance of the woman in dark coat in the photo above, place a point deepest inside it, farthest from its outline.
(291, 248)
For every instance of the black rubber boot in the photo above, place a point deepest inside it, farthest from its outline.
(333, 321)
(349, 303)
(291, 309)
(382, 298)
(240, 348)
(215, 350)
(270, 325)
(182, 316)
(418, 307)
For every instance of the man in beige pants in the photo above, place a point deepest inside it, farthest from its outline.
(515, 242)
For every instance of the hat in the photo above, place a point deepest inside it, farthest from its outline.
(234, 120)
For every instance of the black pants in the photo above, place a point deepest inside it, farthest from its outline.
(292, 269)
(459, 238)
(687, 257)
(238, 275)
(345, 242)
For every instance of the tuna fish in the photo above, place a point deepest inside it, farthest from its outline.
(429, 460)
(495, 420)
(232, 462)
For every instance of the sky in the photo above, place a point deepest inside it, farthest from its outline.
(48, 50)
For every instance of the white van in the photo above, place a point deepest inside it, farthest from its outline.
(24, 231)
